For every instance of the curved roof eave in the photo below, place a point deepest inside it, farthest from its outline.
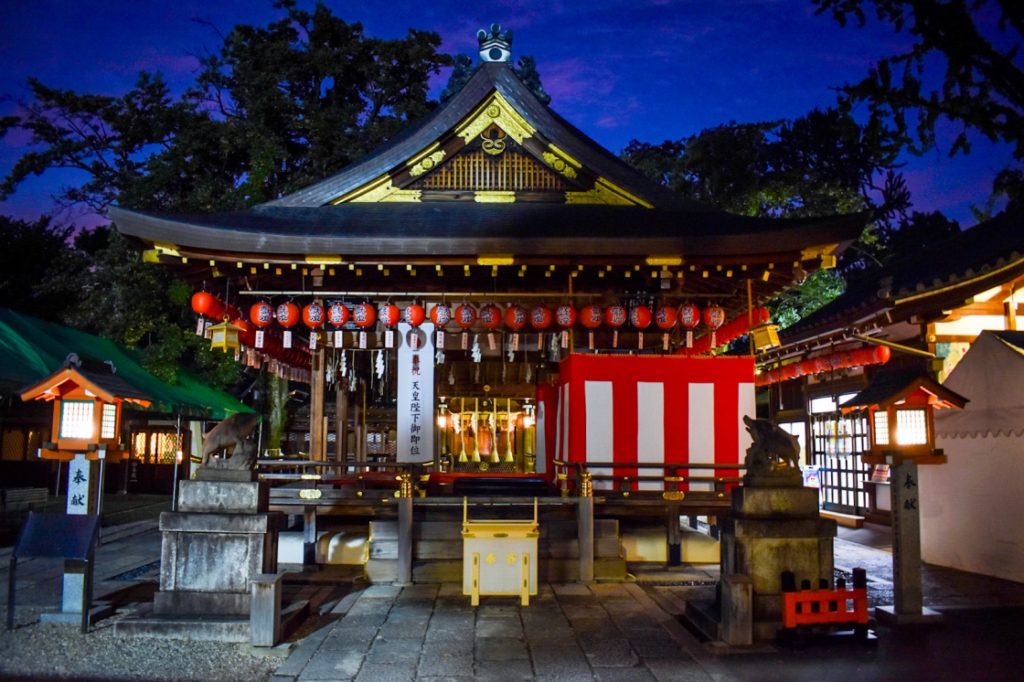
(448, 228)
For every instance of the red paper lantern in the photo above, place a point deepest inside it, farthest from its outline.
(665, 317)
(541, 317)
(490, 316)
(313, 315)
(287, 315)
(615, 315)
(414, 314)
(389, 314)
(640, 317)
(465, 315)
(204, 303)
(565, 316)
(689, 316)
(440, 314)
(591, 316)
(261, 314)
(337, 314)
(714, 316)
(515, 317)
(364, 315)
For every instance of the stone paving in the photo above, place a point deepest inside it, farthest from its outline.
(430, 632)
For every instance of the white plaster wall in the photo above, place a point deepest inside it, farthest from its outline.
(972, 508)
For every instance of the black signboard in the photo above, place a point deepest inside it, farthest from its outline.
(55, 535)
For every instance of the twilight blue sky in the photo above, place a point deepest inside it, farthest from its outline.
(618, 69)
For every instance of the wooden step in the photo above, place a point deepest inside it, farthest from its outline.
(845, 520)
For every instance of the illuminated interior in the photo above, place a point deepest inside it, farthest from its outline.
(487, 434)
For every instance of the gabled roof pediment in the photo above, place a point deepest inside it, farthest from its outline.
(493, 142)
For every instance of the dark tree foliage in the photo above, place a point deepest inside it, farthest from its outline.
(821, 164)
(29, 251)
(955, 70)
(311, 93)
(272, 110)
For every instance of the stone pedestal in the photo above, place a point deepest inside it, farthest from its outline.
(776, 529)
(221, 538)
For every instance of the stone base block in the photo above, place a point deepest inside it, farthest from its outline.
(97, 613)
(231, 497)
(206, 630)
(775, 503)
(887, 615)
(184, 603)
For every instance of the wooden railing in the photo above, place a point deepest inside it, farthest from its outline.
(672, 477)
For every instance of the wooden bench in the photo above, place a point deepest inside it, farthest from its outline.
(14, 499)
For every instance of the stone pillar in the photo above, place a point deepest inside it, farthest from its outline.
(908, 606)
(775, 528)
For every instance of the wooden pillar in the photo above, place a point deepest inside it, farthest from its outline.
(340, 420)
(309, 535)
(361, 424)
(317, 435)
(405, 545)
(1010, 308)
(675, 553)
(585, 528)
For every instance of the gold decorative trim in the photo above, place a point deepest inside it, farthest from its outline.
(605, 192)
(166, 249)
(426, 163)
(310, 494)
(559, 164)
(495, 109)
(380, 190)
(494, 197)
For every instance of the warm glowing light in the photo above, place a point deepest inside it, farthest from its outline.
(987, 295)
(664, 260)
(911, 427)
(881, 428)
(76, 419)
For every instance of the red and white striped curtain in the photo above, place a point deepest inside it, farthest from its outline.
(654, 409)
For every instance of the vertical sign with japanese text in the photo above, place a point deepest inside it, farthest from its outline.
(78, 485)
(415, 392)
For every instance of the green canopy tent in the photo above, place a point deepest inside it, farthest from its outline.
(31, 349)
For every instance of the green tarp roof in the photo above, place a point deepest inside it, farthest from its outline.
(32, 349)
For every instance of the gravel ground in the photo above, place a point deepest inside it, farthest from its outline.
(40, 651)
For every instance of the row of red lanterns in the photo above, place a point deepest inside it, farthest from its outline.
(489, 316)
(211, 307)
(877, 355)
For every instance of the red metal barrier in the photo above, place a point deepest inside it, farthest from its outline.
(842, 607)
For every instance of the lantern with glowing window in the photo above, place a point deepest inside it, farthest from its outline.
(900, 408)
(86, 412)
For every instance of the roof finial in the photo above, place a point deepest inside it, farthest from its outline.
(495, 46)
